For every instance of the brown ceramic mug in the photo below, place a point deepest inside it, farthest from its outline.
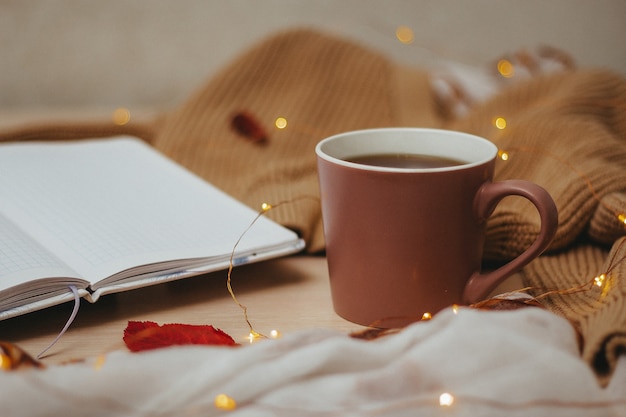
(404, 212)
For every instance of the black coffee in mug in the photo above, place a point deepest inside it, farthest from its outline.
(405, 160)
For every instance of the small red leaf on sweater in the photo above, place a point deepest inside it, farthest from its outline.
(246, 125)
(146, 335)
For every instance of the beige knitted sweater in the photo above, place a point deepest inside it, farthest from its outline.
(566, 132)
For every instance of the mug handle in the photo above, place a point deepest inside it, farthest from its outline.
(486, 200)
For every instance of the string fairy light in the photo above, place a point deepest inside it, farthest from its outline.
(599, 280)
(99, 362)
(602, 281)
(499, 122)
(254, 335)
(506, 68)
(224, 402)
(280, 123)
(121, 116)
(405, 35)
(5, 361)
(446, 399)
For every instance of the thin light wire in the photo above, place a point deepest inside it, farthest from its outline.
(266, 207)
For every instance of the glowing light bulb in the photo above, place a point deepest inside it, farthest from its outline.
(224, 402)
(254, 336)
(503, 155)
(446, 399)
(5, 362)
(506, 68)
(275, 334)
(455, 309)
(99, 363)
(266, 206)
(280, 123)
(599, 280)
(500, 123)
(405, 35)
(622, 218)
(121, 116)
(427, 316)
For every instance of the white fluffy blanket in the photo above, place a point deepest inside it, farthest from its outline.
(515, 363)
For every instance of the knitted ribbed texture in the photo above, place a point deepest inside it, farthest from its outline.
(566, 132)
(602, 225)
(599, 313)
(321, 86)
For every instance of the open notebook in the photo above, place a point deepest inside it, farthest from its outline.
(113, 214)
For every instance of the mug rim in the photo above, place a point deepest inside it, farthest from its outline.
(490, 149)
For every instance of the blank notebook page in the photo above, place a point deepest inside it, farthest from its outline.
(108, 205)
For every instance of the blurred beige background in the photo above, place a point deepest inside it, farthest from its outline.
(153, 53)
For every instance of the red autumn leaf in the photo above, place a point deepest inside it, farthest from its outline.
(245, 124)
(146, 335)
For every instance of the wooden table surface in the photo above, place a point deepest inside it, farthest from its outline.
(284, 294)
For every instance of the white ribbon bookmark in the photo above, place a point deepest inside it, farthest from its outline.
(69, 321)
